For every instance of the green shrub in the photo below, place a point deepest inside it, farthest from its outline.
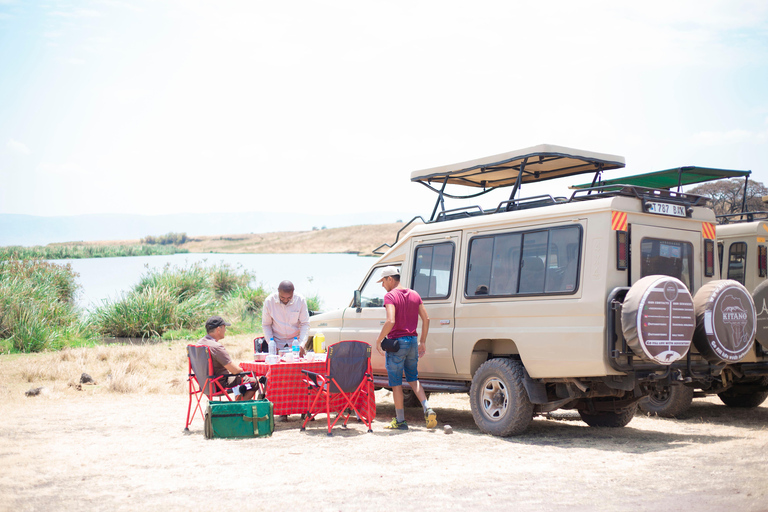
(314, 303)
(225, 279)
(174, 300)
(37, 306)
(167, 239)
(144, 314)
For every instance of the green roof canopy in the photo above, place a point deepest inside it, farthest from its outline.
(672, 177)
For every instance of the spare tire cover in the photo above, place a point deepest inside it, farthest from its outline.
(760, 298)
(658, 319)
(725, 321)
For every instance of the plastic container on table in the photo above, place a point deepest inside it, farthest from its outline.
(318, 342)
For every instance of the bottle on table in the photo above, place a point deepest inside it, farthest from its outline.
(272, 347)
(295, 349)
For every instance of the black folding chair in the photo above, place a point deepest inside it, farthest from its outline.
(346, 381)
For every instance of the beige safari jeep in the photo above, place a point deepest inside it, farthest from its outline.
(740, 378)
(589, 302)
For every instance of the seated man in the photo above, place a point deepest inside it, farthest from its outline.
(285, 316)
(216, 328)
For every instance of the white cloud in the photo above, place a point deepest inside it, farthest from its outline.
(75, 61)
(18, 147)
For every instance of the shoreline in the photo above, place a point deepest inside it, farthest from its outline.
(360, 240)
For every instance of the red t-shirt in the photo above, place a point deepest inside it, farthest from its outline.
(406, 304)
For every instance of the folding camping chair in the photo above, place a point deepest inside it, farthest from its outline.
(346, 380)
(202, 381)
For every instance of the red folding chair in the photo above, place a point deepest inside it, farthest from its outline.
(202, 381)
(347, 380)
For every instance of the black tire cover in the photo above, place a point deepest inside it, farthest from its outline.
(725, 321)
(658, 319)
(760, 298)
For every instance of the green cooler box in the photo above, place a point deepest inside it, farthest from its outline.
(247, 418)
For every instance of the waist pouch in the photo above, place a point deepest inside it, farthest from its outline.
(390, 345)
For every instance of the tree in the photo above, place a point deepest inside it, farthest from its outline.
(726, 195)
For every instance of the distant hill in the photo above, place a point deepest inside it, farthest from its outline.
(30, 230)
(361, 239)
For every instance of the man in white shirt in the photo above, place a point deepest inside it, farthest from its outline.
(285, 316)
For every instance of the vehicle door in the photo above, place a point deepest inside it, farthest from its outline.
(364, 323)
(435, 261)
(670, 252)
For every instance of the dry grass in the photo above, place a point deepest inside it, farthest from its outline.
(143, 369)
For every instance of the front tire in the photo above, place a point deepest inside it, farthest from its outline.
(500, 404)
(667, 401)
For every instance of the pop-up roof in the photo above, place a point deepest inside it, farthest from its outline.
(671, 178)
(531, 165)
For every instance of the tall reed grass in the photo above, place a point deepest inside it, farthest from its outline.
(64, 252)
(37, 307)
(177, 301)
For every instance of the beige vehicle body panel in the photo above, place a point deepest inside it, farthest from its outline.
(556, 335)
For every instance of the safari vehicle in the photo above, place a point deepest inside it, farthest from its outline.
(741, 246)
(543, 303)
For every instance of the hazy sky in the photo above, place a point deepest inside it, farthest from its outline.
(157, 107)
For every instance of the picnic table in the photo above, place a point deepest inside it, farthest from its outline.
(287, 390)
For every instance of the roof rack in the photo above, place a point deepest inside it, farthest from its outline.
(735, 218)
(530, 165)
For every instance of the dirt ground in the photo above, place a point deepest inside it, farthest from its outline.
(112, 452)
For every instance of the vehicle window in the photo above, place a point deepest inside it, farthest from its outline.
(563, 260)
(737, 261)
(720, 256)
(505, 264)
(533, 266)
(667, 257)
(432, 270)
(543, 261)
(372, 293)
(479, 272)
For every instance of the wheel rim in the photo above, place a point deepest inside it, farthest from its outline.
(659, 396)
(495, 399)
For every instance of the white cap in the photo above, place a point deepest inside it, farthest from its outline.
(388, 272)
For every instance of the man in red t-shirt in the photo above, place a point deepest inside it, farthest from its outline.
(404, 308)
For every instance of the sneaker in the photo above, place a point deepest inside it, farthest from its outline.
(397, 425)
(431, 418)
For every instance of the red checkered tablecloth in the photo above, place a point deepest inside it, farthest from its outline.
(288, 392)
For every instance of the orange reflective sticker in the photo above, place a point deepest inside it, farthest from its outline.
(708, 230)
(619, 221)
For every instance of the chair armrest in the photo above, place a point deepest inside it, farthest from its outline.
(312, 378)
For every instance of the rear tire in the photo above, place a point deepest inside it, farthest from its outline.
(410, 399)
(667, 401)
(732, 398)
(611, 419)
(500, 404)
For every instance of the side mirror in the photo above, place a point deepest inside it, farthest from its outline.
(357, 302)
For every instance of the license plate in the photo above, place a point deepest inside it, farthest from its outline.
(665, 209)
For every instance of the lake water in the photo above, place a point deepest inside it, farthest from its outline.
(333, 277)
